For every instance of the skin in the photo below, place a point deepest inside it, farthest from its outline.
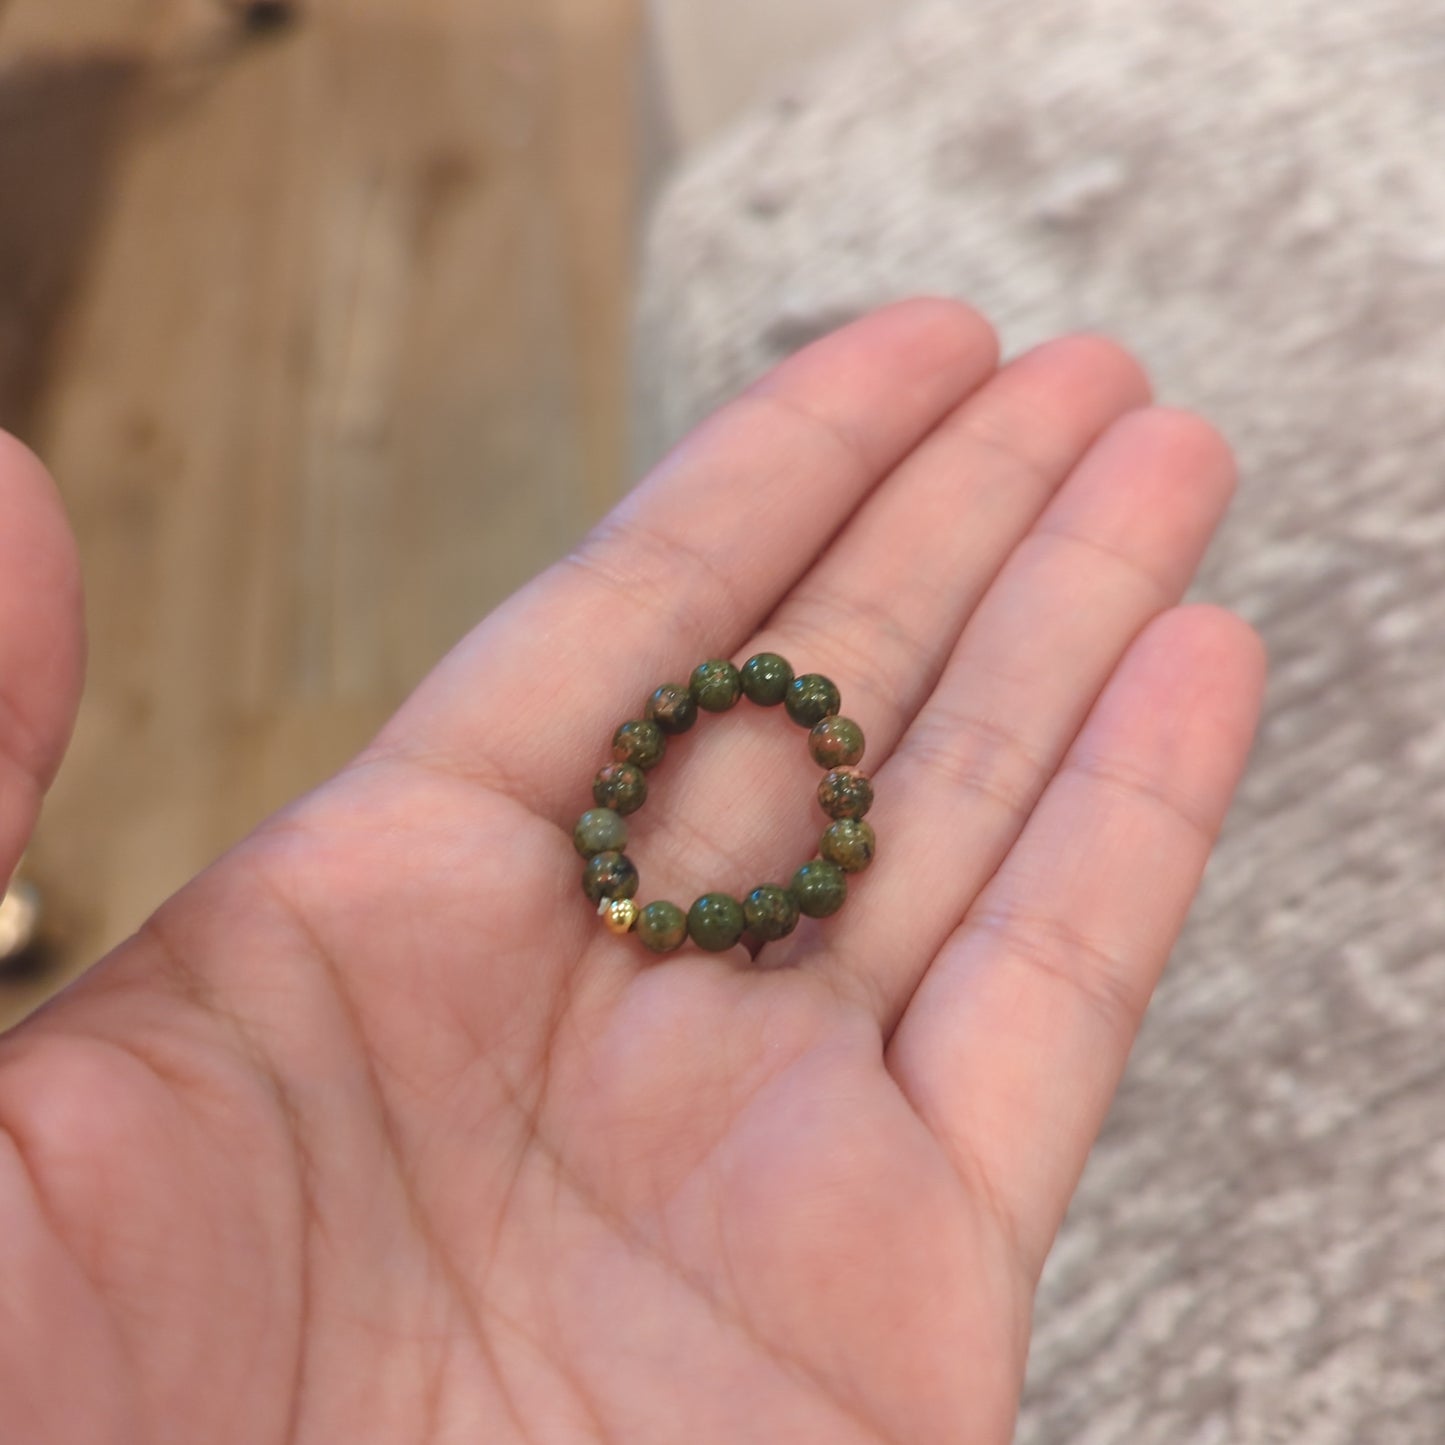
(366, 1137)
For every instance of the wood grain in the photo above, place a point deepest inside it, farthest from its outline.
(322, 334)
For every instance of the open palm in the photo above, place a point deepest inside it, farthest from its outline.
(373, 1133)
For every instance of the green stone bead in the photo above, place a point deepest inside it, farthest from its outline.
(820, 887)
(770, 912)
(715, 685)
(609, 875)
(765, 678)
(621, 787)
(845, 795)
(849, 843)
(640, 742)
(836, 742)
(811, 698)
(599, 830)
(672, 708)
(662, 927)
(716, 922)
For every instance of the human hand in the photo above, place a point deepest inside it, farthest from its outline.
(373, 1133)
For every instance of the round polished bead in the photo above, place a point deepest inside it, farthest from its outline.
(662, 926)
(599, 830)
(843, 794)
(640, 742)
(770, 912)
(811, 698)
(715, 685)
(715, 922)
(621, 787)
(620, 916)
(836, 742)
(820, 887)
(765, 678)
(849, 843)
(609, 875)
(672, 708)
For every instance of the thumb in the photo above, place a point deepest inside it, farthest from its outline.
(42, 642)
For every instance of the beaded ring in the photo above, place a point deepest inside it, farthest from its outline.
(717, 921)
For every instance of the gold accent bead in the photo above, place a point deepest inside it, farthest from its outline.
(620, 916)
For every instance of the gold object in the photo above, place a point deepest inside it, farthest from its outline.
(19, 918)
(620, 915)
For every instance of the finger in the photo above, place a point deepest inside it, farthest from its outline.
(1117, 546)
(690, 562)
(1014, 1042)
(42, 645)
(882, 609)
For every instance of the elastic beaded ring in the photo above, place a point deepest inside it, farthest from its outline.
(717, 921)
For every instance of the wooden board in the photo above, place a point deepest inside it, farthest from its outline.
(322, 334)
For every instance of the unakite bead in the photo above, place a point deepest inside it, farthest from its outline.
(662, 926)
(849, 843)
(820, 888)
(770, 912)
(842, 794)
(621, 787)
(672, 708)
(811, 698)
(640, 742)
(765, 678)
(715, 685)
(599, 830)
(609, 875)
(836, 742)
(715, 922)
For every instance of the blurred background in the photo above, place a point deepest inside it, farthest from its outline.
(337, 320)
(317, 313)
